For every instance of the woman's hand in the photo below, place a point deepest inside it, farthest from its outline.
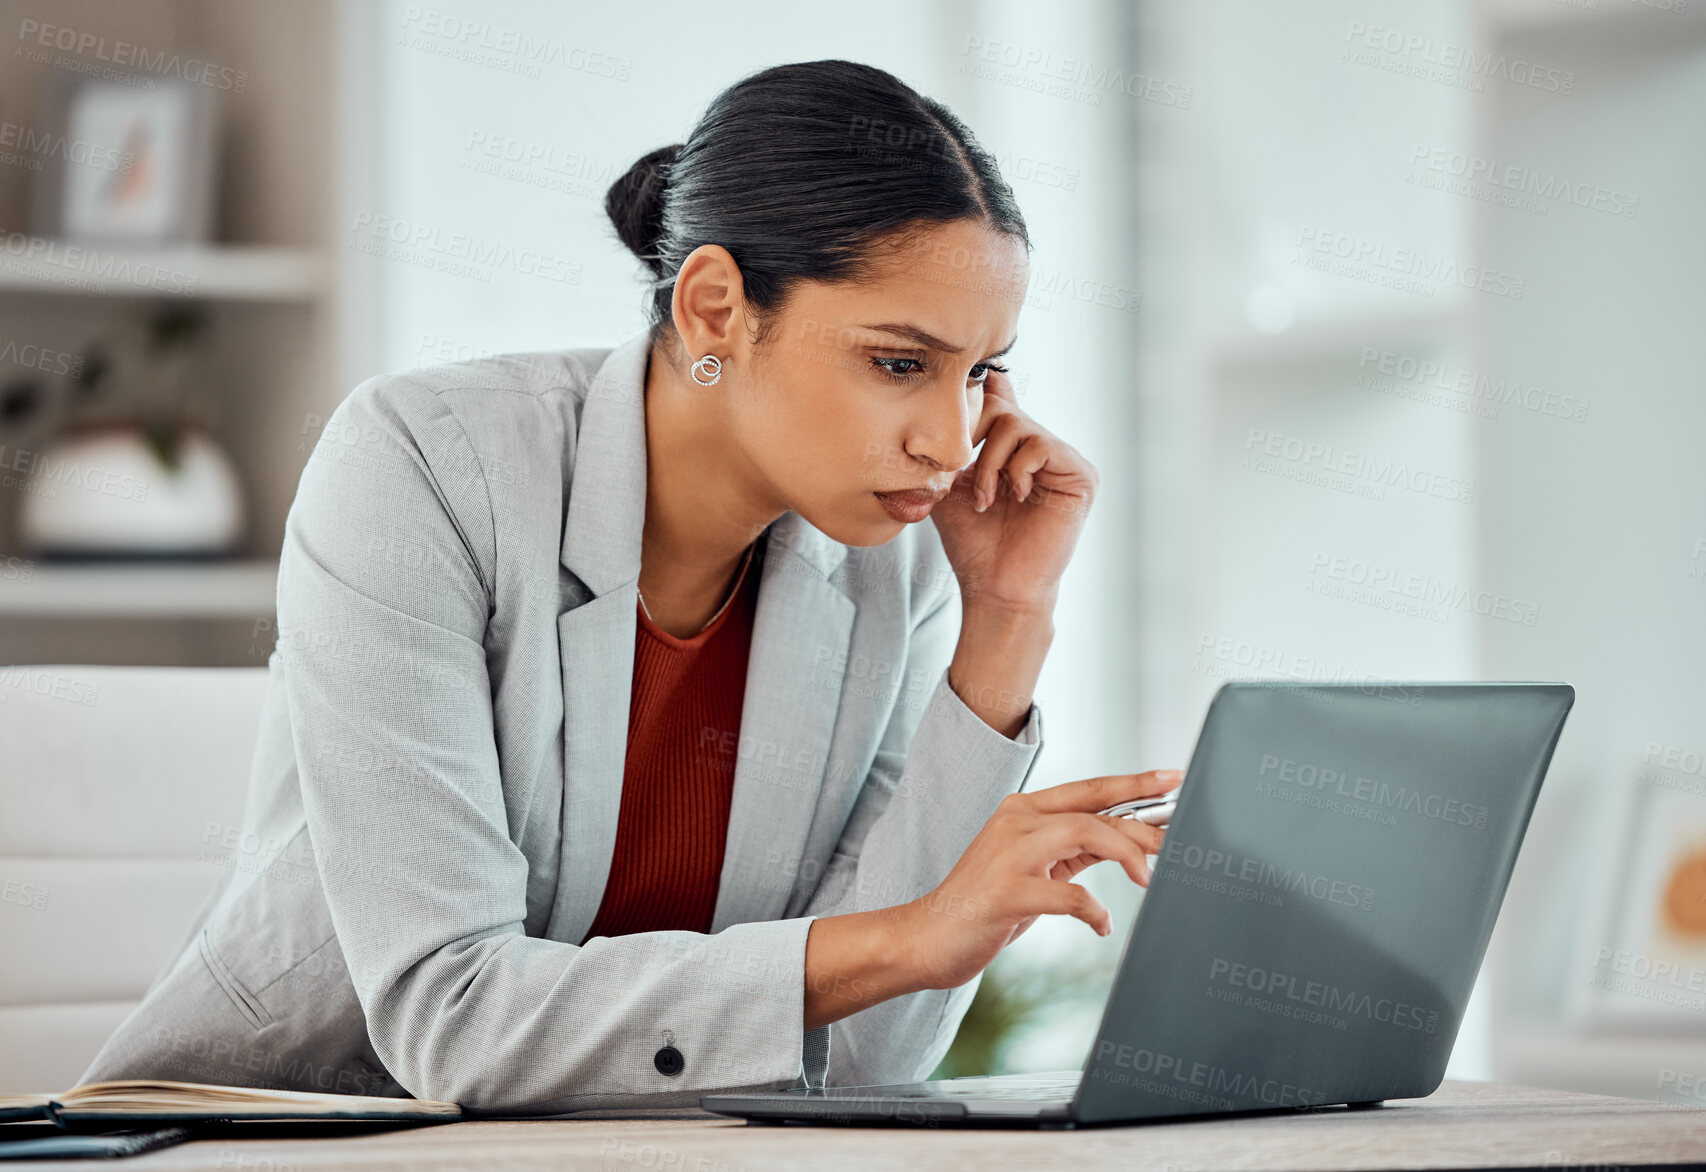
(1011, 522)
(1020, 866)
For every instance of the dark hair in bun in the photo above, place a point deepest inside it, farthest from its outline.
(635, 204)
(799, 171)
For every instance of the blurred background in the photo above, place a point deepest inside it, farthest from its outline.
(1381, 320)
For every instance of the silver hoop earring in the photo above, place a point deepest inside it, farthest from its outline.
(713, 367)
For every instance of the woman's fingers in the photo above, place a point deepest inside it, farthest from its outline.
(1006, 433)
(1027, 460)
(1148, 838)
(998, 400)
(1067, 868)
(1021, 865)
(1098, 793)
(1055, 898)
(1000, 386)
(1012, 443)
(993, 407)
(1065, 836)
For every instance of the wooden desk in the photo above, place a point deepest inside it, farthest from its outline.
(1463, 1125)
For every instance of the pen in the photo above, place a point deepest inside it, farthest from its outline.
(1154, 811)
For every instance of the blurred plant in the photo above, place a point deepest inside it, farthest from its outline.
(1010, 998)
(20, 399)
(138, 372)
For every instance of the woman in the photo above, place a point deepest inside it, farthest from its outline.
(651, 721)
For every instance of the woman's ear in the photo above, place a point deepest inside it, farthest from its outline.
(709, 304)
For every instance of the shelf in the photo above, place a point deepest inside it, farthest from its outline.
(180, 589)
(1597, 22)
(211, 273)
(1340, 337)
(1605, 1063)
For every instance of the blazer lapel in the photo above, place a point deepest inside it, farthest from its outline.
(601, 547)
(801, 632)
(793, 690)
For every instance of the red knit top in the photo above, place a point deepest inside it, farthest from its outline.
(678, 780)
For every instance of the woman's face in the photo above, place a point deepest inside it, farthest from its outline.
(875, 388)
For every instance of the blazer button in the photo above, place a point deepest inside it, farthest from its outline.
(669, 1061)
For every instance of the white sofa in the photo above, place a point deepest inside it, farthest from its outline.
(121, 796)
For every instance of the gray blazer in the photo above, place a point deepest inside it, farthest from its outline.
(435, 789)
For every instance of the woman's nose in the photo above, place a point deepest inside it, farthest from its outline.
(943, 440)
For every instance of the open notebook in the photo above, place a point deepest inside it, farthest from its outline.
(135, 1100)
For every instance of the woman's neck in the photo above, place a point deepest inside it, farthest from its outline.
(704, 505)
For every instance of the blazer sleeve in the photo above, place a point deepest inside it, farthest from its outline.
(938, 775)
(385, 588)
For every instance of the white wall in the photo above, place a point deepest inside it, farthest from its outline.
(1588, 529)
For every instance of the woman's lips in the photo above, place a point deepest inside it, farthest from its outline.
(910, 505)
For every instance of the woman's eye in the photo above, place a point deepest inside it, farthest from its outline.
(906, 369)
(900, 373)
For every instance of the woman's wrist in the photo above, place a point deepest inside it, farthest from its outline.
(998, 659)
(857, 960)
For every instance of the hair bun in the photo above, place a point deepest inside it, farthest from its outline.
(634, 203)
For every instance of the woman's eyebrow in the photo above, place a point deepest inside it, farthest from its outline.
(929, 340)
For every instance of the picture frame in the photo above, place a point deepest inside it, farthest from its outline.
(1642, 949)
(134, 164)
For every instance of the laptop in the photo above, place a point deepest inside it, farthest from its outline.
(1314, 924)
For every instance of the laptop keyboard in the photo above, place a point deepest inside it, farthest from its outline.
(1020, 1088)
